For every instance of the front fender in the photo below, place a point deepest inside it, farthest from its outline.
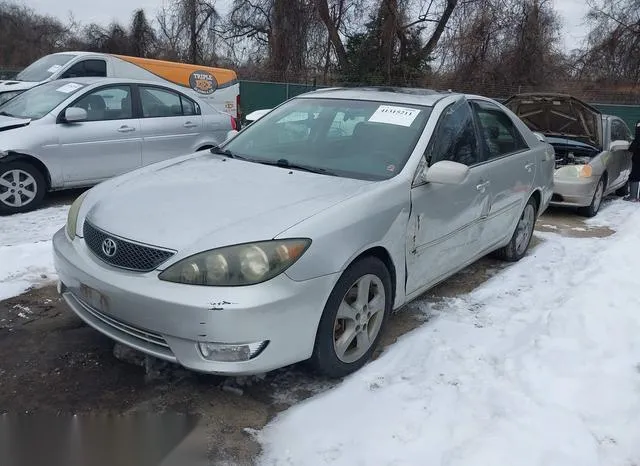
(376, 218)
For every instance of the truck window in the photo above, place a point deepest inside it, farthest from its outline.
(87, 68)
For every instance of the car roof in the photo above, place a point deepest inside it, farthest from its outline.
(400, 95)
(88, 81)
(79, 53)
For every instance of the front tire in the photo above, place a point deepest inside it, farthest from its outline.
(519, 243)
(623, 190)
(22, 187)
(353, 319)
(592, 209)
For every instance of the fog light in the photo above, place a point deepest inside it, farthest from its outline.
(223, 352)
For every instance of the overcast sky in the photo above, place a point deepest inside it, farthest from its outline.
(105, 11)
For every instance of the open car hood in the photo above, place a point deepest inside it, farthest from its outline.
(558, 115)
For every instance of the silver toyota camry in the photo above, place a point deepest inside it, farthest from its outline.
(297, 238)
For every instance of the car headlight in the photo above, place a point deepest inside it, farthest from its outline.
(72, 217)
(575, 171)
(7, 96)
(238, 265)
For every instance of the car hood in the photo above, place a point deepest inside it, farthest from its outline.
(558, 115)
(10, 85)
(207, 201)
(7, 123)
(564, 142)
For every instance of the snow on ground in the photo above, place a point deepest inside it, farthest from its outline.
(25, 249)
(539, 366)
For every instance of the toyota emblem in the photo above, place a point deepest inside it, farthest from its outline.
(109, 247)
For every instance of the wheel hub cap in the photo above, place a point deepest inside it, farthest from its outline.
(359, 318)
(17, 188)
(525, 228)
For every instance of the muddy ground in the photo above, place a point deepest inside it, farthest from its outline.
(53, 363)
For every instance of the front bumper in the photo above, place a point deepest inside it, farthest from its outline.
(167, 320)
(573, 193)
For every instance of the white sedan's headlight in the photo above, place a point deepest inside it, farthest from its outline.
(238, 265)
(575, 171)
(72, 217)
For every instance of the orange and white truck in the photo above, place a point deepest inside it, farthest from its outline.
(219, 87)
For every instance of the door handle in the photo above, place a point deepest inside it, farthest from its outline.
(188, 124)
(126, 129)
(482, 186)
(529, 166)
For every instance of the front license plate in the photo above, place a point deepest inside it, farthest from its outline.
(94, 298)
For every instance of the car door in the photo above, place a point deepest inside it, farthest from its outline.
(618, 162)
(171, 124)
(445, 223)
(108, 143)
(510, 169)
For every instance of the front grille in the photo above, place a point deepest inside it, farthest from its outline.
(126, 254)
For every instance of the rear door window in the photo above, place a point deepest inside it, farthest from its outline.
(158, 102)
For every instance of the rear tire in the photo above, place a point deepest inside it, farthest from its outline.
(519, 243)
(593, 209)
(353, 319)
(22, 187)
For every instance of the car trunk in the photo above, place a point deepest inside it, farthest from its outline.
(572, 127)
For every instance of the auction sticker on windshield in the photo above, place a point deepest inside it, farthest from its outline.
(68, 88)
(390, 114)
(54, 68)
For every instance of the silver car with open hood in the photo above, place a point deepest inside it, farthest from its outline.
(592, 157)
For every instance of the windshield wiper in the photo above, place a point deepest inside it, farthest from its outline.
(226, 152)
(284, 163)
(6, 114)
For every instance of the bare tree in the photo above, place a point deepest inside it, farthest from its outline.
(26, 35)
(143, 37)
(612, 52)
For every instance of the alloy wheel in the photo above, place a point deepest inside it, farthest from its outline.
(525, 228)
(17, 188)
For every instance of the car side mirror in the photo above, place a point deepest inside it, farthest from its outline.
(540, 136)
(446, 172)
(619, 145)
(75, 114)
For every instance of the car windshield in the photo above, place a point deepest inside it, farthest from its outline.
(40, 100)
(352, 138)
(43, 68)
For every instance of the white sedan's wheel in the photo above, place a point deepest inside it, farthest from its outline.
(354, 318)
(593, 209)
(22, 187)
